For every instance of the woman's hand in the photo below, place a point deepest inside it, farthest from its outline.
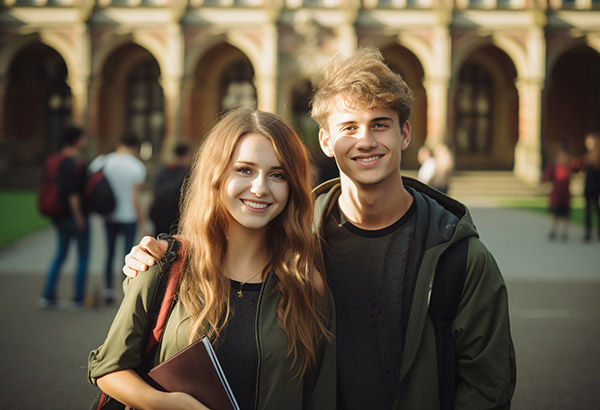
(145, 254)
(178, 401)
(130, 389)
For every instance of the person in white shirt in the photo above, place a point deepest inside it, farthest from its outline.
(125, 174)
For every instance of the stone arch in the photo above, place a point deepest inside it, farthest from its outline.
(243, 43)
(484, 107)
(122, 106)
(571, 98)
(204, 95)
(37, 102)
(404, 61)
(509, 46)
(103, 52)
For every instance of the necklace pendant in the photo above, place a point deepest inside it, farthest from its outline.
(240, 294)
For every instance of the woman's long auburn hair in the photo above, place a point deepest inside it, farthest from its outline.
(296, 255)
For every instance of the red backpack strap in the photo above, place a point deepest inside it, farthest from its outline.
(175, 272)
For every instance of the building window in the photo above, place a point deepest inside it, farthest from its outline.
(474, 110)
(237, 87)
(145, 105)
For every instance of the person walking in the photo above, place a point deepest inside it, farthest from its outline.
(558, 173)
(125, 174)
(427, 165)
(71, 223)
(251, 282)
(387, 240)
(164, 211)
(591, 191)
(444, 166)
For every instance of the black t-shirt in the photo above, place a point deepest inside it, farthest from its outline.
(238, 352)
(71, 179)
(365, 271)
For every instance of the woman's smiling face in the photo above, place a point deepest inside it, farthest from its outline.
(256, 189)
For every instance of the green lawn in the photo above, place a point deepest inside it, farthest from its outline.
(19, 215)
(540, 204)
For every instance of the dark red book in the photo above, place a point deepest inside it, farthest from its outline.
(196, 371)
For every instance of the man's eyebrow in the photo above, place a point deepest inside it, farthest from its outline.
(382, 119)
(344, 123)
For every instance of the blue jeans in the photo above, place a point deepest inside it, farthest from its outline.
(113, 229)
(66, 228)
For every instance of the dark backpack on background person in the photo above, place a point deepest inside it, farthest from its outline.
(50, 201)
(98, 195)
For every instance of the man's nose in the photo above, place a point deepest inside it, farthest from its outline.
(365, 139)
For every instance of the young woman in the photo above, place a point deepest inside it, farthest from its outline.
(252, 281)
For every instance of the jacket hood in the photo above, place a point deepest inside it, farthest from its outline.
(447, 219)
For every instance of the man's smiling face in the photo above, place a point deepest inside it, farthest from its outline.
(367, 144)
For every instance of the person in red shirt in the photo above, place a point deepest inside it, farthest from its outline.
(558, 173)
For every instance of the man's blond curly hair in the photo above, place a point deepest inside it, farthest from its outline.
(364, 81)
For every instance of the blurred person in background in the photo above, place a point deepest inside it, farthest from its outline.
(125, 173)
(427, 168)
(558, 174)
(164, 211)
(72, 223)
(591, 192)
(444, 166)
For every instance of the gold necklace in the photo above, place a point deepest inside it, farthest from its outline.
(240, 294)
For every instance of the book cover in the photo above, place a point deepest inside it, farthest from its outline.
(196, 371)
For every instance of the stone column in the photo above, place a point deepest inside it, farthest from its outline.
(266, 76)
(79, 99)
(436, 83)
(528, 154)
(172, 94)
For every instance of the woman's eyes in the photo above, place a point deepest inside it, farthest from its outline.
(248, 171)
(277, 175)
(245, 171)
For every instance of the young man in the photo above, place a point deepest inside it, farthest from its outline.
(384, 236)
(125, 174)
(72, 223)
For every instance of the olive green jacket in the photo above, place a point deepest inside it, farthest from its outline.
(276, 388)
(485, 359)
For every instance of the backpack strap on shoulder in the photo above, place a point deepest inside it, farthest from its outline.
(445, 297)
(171, 268)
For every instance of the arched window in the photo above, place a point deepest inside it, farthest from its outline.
(237, 87)
(474, 110)
(145, 103)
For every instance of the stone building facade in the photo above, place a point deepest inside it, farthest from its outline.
(502, 82)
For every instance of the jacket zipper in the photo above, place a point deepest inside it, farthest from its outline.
(256, 332)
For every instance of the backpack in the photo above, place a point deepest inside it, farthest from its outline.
(50, 201)
(98, 195)
(162, 302)
(445, 296)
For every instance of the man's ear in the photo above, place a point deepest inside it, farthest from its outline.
(325, 142)
(405, 135)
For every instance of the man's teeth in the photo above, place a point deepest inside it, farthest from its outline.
(369, 159)
(255, 204)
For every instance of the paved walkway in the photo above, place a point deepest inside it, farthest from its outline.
(554, 289)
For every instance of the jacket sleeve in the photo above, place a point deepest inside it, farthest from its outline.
(486, 369)
(122, 348)
(320, 386)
